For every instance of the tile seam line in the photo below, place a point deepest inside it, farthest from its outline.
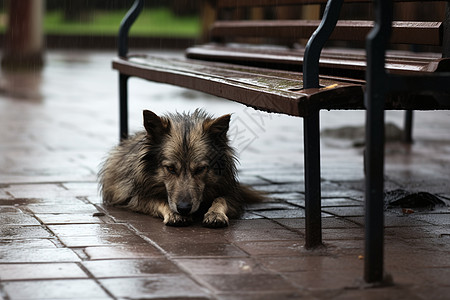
(205, 287)
(96, 280)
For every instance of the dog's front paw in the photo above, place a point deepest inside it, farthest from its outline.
(214, 219)
(174, 219)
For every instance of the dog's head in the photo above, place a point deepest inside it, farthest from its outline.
(194, 153)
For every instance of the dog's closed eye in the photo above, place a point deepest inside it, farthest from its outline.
(200, 170)
(171, 169)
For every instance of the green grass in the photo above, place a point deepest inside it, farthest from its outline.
(155, 22)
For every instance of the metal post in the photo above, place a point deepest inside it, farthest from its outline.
(408, 127)
(123, 105)
(317, 41)
(126, 24)
(311, 125)
(313, 222)
(446, 32)
(122, 48)
(374, 206)
(375, 93)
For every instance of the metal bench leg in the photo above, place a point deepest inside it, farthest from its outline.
(407, 136)
(374, 96)
(123, 105)
(312, 180)
(374, 214)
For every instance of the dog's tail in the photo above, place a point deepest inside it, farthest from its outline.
(250, 195)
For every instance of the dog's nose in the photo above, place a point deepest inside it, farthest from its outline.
(184, 208)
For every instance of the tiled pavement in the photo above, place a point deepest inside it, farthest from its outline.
(59, 242)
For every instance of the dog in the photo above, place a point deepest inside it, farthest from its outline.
(180, 168)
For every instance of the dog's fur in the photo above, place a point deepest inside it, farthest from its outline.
(180, 167)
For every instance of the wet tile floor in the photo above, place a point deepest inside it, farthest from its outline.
(58, 241)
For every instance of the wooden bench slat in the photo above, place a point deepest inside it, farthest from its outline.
(264, 89)
(255, 3)
(403, 32)
(397, 62)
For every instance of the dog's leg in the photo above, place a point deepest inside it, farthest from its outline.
(217, 214)
(171, 218)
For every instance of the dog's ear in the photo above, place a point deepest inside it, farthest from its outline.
(217, 127)
(155, 126)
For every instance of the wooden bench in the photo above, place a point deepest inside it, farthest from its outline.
(259, 63)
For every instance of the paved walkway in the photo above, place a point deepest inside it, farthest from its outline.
(59, 242)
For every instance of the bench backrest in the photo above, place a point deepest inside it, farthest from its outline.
(265, 21)
(419, 27)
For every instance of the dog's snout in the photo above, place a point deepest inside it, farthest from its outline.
(184, 207)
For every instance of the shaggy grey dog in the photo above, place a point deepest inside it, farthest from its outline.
(179, 168)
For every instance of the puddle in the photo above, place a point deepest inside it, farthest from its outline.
(356, 134)
(412, 201)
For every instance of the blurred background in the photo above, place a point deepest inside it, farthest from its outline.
(36, 25)
(94, 24)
